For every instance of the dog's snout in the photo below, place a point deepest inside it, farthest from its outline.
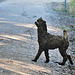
(37, 20)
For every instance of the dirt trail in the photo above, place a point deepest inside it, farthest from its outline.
(18, 39)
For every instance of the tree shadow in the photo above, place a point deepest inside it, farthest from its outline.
(22, 68)
(17, 31)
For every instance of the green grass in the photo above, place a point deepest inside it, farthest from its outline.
(62, 10)
(72, 7)
(62, 27)
(66, 28)
(72, 2)
(59, 6)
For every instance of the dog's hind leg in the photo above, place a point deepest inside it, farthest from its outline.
(64, 55)
(37, 55)
(69, 57)
(47, 56)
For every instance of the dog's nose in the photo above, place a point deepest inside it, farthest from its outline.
(37, 20)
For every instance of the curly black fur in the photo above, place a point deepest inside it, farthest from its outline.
(48, 41)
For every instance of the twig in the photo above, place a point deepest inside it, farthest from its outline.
(29, 31)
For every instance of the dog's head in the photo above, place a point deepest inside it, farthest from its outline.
(40, 23)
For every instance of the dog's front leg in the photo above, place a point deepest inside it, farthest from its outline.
(47, 56)
(37, 55)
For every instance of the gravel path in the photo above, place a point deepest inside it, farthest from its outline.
(18, 38)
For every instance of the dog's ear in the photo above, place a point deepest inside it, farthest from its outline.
(40, 18)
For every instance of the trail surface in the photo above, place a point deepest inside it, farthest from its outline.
(18, 38)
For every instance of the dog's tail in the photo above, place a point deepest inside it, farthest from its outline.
(65, 34)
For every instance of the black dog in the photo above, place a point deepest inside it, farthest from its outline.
(47, 41)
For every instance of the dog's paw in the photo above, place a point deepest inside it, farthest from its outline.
(71, 62)
(34, 60)
(46, 61)
(60, 63)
